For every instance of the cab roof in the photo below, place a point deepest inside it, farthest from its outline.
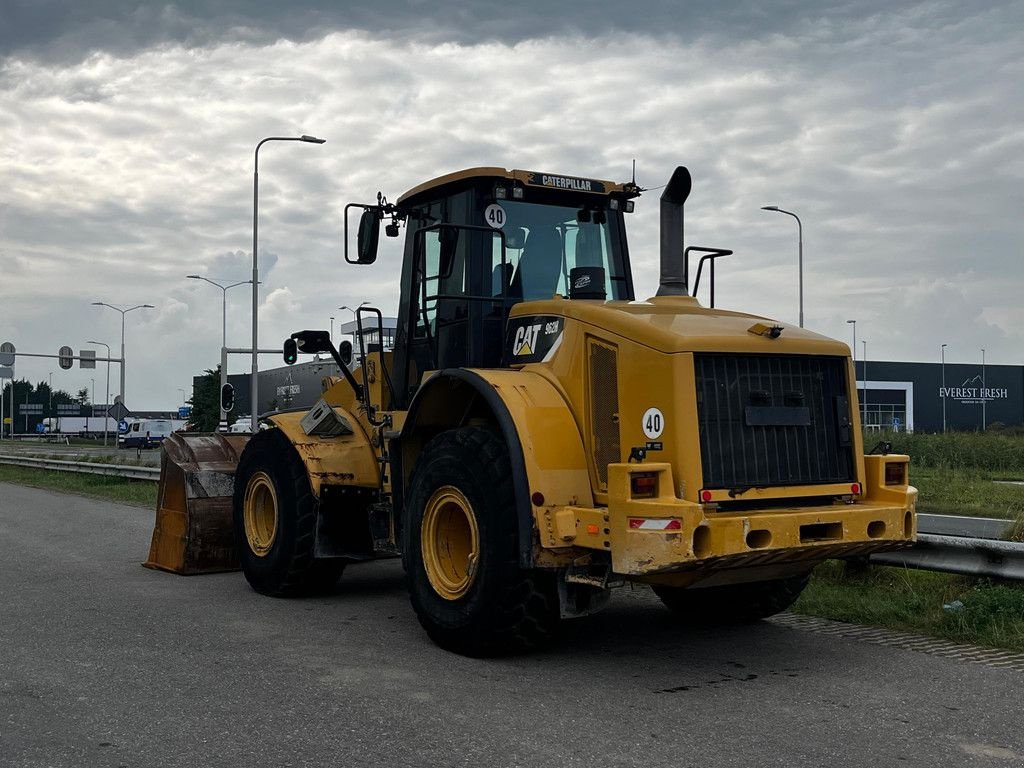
(551, 181)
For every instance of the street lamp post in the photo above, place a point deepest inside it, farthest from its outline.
(355, 314)
(223, 423)
(254, 388)
(332, 329)
(107, 390)
(854, 324)
(123, 313)
(800, 235)
(864, 417)
(182, 395)
(984, 392)
(942, 352)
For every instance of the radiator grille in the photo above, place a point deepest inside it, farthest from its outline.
(604, 414)
(737, 394)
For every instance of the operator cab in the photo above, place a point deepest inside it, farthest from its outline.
(482, 240)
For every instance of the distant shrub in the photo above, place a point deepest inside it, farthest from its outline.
(996, 450)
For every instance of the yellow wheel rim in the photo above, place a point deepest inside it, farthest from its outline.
(260, 513)
(450, 542)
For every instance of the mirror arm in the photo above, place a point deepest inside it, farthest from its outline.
(347, 374)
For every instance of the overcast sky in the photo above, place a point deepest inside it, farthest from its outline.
(896, 132)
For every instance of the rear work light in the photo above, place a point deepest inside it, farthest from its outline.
(643, 485)
(896, 473)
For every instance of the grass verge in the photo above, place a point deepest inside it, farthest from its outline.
(981, 612)
(969, 492)
(141, 493)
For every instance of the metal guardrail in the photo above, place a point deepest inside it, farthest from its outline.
(957, 554)
(967, 545)
(972, 546)
(84, 467)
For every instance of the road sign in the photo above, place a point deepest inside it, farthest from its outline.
(30, 408)
(40, 428)
(88, 358)
(66, 354)
(69, 409)
(118, 411)
(184, 411)
(7, 351)
(6, 373)
(122, 426)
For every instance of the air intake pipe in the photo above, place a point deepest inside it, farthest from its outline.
(673, 261)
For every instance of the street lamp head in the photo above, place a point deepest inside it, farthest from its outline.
(944, 346)
(852, 321)
(311, 139)
(769, 207)
(194, 277)
(98, 304)
(148, 306)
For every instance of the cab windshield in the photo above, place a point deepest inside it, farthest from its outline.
(544, 242)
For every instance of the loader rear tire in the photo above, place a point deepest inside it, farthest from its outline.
(462, 554)
(275, 517)
(733, 603)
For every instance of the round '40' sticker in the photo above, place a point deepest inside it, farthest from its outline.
(653, 423)
(494, 215)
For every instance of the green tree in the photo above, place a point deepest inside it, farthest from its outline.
(83, 396)
(205, 402)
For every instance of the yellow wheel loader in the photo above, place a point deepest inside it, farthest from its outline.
(536, 436)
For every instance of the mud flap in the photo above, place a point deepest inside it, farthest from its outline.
(193, 530)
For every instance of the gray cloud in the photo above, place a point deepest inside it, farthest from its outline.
(895, 134)
(65, 30)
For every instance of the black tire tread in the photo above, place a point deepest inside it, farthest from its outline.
(523, 613)
(303, 574)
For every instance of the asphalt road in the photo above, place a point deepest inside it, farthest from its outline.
(106, 663)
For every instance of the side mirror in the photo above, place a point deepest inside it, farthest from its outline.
(345, 352)
(369, 234)
(291, 351)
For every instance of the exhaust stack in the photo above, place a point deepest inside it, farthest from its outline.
(673, 264)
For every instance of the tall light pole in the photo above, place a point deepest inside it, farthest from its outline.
(864, 415)
(800, 235)
(984, 392)
(254, 387)
(854, 324)
(92, 405)
(182, 395)
(332, 329)
(223, 423)
(355, 314)
(107, 390)
(123, 313)
(49, 406)
(942, 353)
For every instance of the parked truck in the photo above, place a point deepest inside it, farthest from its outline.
(538, 436)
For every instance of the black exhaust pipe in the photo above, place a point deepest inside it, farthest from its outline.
(673, 262)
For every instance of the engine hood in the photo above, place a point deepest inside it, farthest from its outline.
(673, 324)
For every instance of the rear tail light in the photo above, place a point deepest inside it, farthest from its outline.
(643, 485)
(896, 473)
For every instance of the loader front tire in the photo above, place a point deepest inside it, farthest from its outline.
(462, 554)
(733, 603)
(275, 516)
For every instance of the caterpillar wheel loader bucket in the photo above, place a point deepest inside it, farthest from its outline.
(193, 532)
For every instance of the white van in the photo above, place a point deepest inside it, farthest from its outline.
(147, 433)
